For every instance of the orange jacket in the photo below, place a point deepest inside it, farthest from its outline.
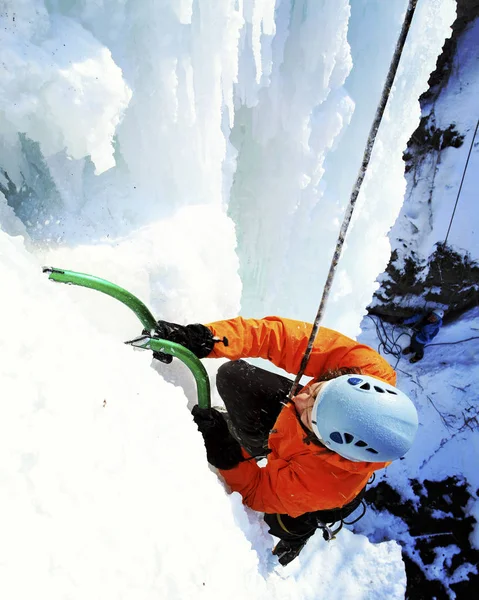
(299, 477)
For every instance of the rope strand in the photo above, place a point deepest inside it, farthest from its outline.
(356, 188)
(462, 181)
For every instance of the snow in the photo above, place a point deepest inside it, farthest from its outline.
(430, 203)
(105, 487)
(186, 151)
(442, 385)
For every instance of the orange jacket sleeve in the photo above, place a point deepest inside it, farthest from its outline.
(284, 342)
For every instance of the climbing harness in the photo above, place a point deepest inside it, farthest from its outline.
(356, 188)
(295, 532)
(328, 533)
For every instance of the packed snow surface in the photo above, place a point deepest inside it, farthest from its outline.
(441, 192)
(443, 386)
(191, 152)
(106, 492)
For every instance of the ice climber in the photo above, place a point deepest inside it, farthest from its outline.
(426, 328)
(322, 446)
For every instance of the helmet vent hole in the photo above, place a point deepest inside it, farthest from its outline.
(365, 386)
(391, 392)
(378, 389)
(348, 438)
(360, 444)
(372, 451)
(336, 437)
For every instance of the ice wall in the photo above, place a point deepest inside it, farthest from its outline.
(105, 490)
(123, 126)
(241, 106)
(112, 120)
(287, 211)
(282, 140)
(60, 88)
(78, 65)
(435, 176)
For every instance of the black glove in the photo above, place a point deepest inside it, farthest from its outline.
(196, 338)
(222, 450)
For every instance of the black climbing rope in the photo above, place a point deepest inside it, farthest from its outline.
(357, 186)
(476, 337)
(389, 341)
(462, 181)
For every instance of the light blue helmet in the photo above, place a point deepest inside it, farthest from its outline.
(438, 312)
(364, 419)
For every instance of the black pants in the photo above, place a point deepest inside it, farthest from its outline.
(254, 398)
(417, 347)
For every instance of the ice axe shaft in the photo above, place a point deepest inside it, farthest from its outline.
(147, 320)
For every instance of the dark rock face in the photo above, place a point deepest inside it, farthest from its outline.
(436, 532)
(435, 528)
(452, 280)
(427, 138)
(449, 276)
(467, 11)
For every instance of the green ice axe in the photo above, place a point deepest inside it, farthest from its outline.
(147, 341)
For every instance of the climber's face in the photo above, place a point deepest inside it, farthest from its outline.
(304, 402)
